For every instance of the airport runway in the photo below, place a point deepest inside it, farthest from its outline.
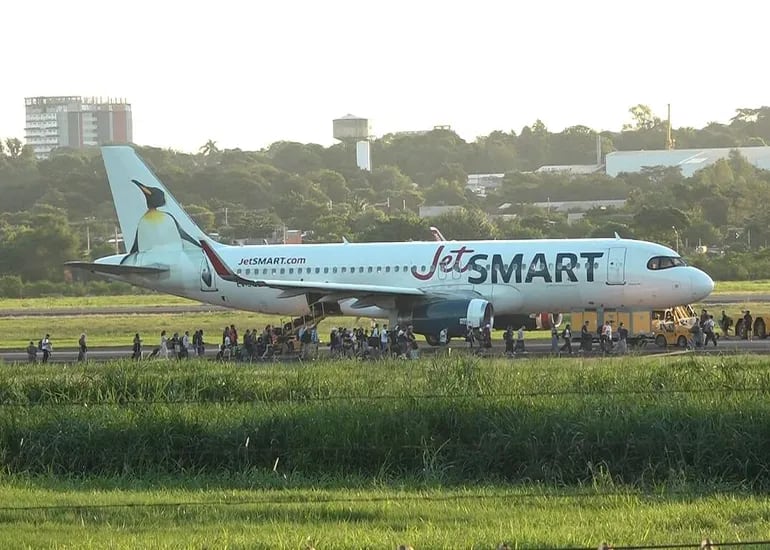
(535, 348)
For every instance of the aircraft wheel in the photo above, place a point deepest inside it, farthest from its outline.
(432, 339)
(740, 331)
(660, 341)
(681, 342)
(760, 331)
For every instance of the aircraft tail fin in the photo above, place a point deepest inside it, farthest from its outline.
(134, 185)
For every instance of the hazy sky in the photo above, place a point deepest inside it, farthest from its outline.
(249, 73)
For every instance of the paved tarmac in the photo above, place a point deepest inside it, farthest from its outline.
(534, 348)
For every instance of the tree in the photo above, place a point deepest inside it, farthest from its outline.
(209, 148)
(465, 225)
(642, 118)
(14, 147)
(38, 250)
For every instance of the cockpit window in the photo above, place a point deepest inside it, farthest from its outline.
(664, 262)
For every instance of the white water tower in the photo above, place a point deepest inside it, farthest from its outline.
(351, 129)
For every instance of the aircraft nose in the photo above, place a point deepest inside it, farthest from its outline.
(702, 285)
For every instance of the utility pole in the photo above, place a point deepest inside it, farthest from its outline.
(669, 139)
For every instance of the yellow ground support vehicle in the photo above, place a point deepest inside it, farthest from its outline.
(671, 327)
(665, 327)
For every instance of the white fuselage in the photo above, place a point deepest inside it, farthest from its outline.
(521, 276)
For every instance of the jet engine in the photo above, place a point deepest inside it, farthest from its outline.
(532, 321)
(454, 315)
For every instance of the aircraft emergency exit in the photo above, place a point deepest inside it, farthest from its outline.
(431, 285)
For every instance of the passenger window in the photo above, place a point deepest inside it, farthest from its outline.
(283, 271)
(334, 270)
(596, 265)
(291, 271)
(273, 271)
(264, 271)
(395, 268)
(406, 268)
(361, 269)
(379, 269)
(318, 270)
(344, 269)
(238, 270)
(248, 271)
(326, 270)
(387, 269)
(369, 269)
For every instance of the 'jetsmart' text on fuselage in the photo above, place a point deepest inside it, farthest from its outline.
(503, 270)
(276, 260)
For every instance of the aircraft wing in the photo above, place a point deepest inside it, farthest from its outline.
(112, 269)
(294, 288)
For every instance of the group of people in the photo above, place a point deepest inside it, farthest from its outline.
(45, 347)
(703, 330)
(375, 343)
(607, 338)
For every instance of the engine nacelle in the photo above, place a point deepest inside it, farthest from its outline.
(532, 321)
(454, 315)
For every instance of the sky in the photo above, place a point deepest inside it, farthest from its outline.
(246, 74)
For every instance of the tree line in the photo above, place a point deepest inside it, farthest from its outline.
(60, 208)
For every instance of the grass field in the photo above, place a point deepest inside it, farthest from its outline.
(253, 511)
(742, 286)
(141, 300)
(460, 453)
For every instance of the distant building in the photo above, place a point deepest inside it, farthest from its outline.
(481, 184)
(580, 206)
(571, 169)
(433, 211)
(688, 160)
(74, 121)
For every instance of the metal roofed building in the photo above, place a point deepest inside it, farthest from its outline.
(688, 160)
(580, 206)
(573, 169)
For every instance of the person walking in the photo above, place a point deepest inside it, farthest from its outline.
(748, 325)
(566, 335)
(622, 339)
(164, 344)
(708, 330)
(82, 348)
(46, 347)
(32, 352)
(554, 339)
(137, 347)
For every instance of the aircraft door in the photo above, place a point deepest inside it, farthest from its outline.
(207, 278)
(616, 266)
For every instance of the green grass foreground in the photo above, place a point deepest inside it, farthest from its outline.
(642, 420)
(253, 511)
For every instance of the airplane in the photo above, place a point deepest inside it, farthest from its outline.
(430, 285)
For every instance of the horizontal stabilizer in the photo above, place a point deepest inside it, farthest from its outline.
(112, 269)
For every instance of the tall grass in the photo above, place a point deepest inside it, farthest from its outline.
(638, 421)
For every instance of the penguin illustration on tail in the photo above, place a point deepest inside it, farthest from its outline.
(157, 228)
